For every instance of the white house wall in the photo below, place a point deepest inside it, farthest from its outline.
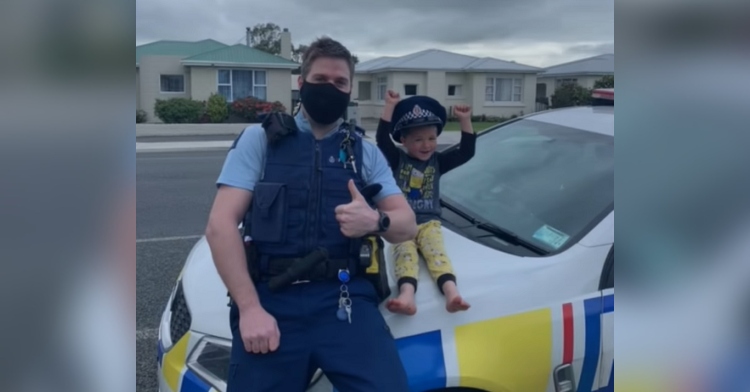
(436, 86)
(149, 77)
(278, 89)
(399, 79)
(204, 81)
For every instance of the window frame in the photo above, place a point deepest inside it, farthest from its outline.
(492, 82)
(381, 82)
(161, 83)
(416, 89)
(456, 88)
(368, 89)
(231, 71)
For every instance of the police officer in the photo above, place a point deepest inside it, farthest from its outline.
(304, 194)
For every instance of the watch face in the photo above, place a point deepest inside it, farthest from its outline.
(385, 221)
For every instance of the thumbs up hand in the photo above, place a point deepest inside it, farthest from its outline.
(356, 219)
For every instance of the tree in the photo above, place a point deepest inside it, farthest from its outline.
(605, 82)
(266, 37)
(298, 52)
(571, 95)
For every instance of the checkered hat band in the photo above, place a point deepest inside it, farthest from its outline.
(410, 118)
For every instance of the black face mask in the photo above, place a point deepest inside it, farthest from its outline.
(323, 102)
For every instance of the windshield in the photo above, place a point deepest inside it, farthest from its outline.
(546, 183)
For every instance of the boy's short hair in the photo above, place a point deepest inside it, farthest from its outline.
(326, 47)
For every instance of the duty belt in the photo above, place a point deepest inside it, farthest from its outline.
(316, 266)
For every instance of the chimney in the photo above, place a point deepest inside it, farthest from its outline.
(247, 36)
(286, 44)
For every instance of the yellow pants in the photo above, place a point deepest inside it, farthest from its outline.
(429, 242)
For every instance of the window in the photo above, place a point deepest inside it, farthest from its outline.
(365, 91)
(382, 87)
(504, 90)
(236, 84)
(410, 89)
(547, 183)
(562, 82)
(173, 83)
(541, 90)
(454, 90)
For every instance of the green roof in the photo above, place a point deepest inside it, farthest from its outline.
(176, 48)
(240, 54)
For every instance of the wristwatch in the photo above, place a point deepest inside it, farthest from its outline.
(384, 222)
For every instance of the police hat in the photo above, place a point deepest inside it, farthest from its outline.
(417, 111)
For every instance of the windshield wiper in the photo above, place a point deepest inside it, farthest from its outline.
(503, 234)
(510, 236)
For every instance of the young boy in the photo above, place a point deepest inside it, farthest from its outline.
(418, 122)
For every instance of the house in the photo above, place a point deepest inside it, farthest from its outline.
(491, 86)
(584, 72)
(195, 70)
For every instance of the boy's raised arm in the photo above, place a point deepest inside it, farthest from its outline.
(383, 135)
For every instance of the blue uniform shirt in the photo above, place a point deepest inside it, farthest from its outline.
(244, 164)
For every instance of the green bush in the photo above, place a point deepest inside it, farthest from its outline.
(571, 95)
(140, 116)
(179, 110)
(217, 109)
(605, 82)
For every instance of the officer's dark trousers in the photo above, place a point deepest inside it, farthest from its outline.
(360, 356)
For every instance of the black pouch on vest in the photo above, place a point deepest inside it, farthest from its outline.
(278, 125)
(268, 222)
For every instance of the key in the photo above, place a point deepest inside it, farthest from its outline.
(348, 309)
(351, 157)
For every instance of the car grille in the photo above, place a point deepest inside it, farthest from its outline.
(181, 319)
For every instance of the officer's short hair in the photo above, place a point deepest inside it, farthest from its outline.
(326, 47)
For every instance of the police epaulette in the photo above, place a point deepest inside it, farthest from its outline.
(278, 125)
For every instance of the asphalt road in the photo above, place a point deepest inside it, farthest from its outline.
(175, 192)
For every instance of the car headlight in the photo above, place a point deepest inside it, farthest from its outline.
(210, 361)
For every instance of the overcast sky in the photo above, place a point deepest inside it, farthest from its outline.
(535, 32)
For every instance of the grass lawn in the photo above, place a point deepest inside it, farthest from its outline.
(478, 126)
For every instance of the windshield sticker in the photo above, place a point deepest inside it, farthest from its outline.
(551, 236)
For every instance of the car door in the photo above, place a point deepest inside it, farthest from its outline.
(584, 341)
(607, 377)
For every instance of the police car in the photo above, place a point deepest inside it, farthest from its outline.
(529, 224)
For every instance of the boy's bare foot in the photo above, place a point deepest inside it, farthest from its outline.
(453, 301)
(404, 303)
(456, 304)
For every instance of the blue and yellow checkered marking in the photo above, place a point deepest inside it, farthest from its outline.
(422, 356)
(192, 383)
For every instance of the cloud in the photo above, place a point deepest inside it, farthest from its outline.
(536, 32)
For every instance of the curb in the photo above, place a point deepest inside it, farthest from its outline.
(180, 149)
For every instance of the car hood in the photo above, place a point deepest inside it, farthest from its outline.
(484, 274)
